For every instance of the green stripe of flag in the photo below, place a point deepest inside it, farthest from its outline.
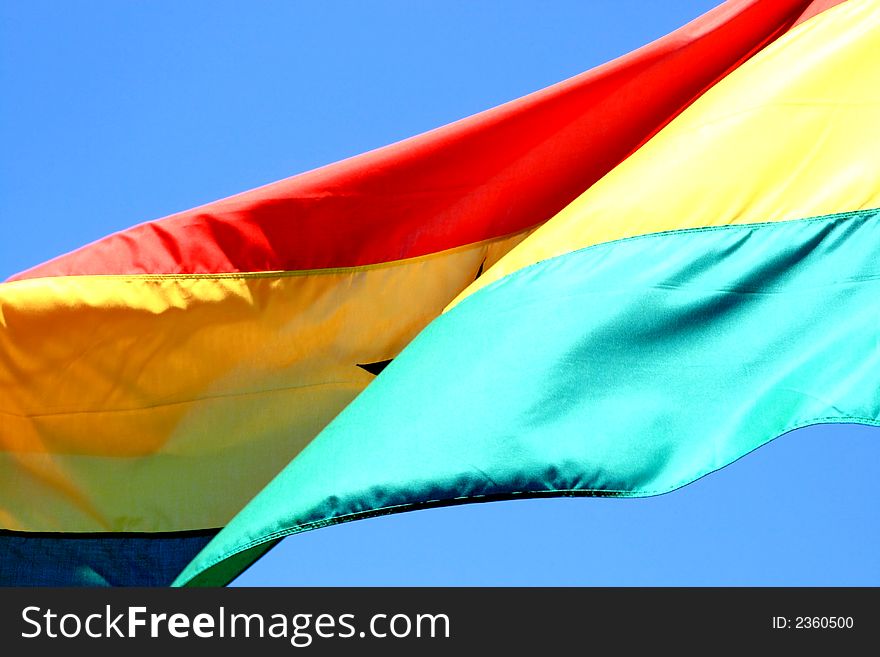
(629, 368)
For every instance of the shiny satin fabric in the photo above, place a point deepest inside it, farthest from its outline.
(629, 368)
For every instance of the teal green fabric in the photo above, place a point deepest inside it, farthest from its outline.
(627, 368)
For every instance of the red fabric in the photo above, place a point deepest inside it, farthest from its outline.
(494, 173)
(816, 7)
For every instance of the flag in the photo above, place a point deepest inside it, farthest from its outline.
(612, 254)
(710, 293)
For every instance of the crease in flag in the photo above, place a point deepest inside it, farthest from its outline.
(538, 268)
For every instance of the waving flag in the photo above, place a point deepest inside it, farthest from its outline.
(635, 265)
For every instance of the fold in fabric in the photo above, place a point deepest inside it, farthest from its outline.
(629, 368)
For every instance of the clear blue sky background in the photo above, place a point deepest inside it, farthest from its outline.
(116, 112)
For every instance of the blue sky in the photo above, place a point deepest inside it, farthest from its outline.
(118, 112)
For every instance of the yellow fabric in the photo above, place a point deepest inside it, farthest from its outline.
(777, 139)
(123, 397)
